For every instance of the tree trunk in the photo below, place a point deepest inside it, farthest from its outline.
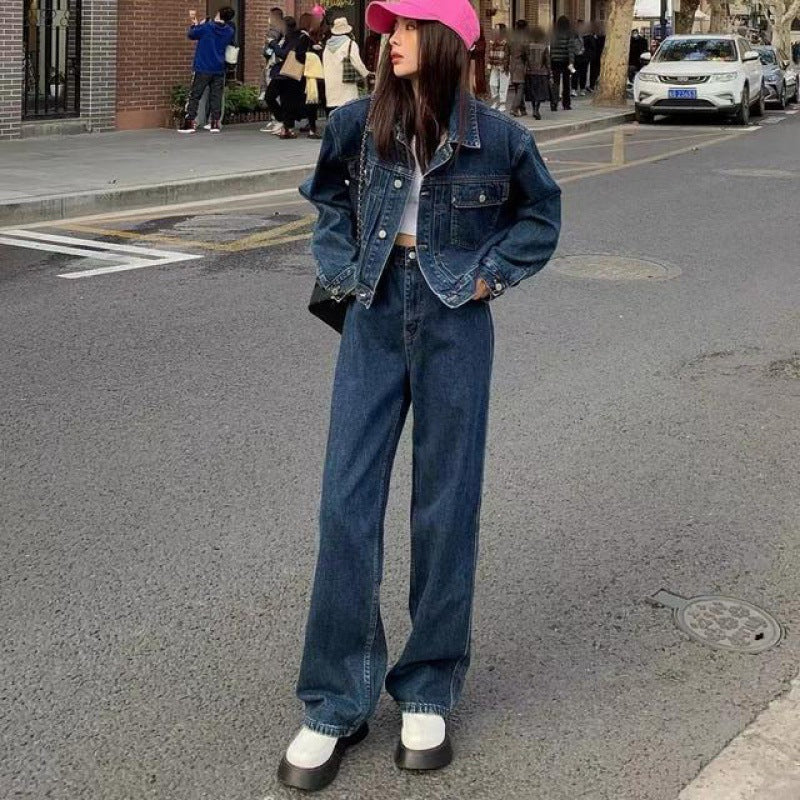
(614, 67)
(718, 22)
(784, 13)
(684, 19)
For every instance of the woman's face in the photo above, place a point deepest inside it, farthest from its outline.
(404, 44)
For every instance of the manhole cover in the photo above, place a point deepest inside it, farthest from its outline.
(723, 623)
(786, 368)
(613, 268)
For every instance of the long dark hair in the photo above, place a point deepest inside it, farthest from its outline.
(443, 74)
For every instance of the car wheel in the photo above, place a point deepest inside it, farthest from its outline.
(742, 116)
(643, 117)
(760, 106)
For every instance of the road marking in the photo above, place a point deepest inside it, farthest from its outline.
(127, 256)
(271, 235)
(618, 151)
(147, 212)
(251, 242)
(651, 159)
(148, 237)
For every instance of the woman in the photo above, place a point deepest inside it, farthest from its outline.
(290, 93)
(518, 47)
(562, 60)
(311, 34)
(453, 205)
(340, 46)
(499, 78)
(537, 70)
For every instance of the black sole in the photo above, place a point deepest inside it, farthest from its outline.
(433, 758)
(319, 777)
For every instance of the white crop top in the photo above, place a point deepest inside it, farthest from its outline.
(408, 224)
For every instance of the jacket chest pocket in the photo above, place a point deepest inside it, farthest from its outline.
(474, 210)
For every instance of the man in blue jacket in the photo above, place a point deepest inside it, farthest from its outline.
(212, 37)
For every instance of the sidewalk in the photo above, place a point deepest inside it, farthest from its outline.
(64, 176)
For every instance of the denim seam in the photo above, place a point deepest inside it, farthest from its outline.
(376, 585)
(475, 528)
(411, 707)
(330, 730)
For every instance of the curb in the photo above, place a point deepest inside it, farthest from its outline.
(762, 763)
(558, 131)
(63, 206)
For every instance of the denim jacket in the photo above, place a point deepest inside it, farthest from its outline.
(492, 211)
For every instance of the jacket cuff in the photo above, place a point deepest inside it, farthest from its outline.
(338, 287)
(494, 279)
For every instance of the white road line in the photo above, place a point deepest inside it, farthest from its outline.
(88, 273)
(60, 248)
(91, 243)
(127, 257)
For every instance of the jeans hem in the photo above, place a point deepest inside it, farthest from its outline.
(330, 730)
(424, 708)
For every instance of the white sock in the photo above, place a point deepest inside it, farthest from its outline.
(422, 731)
(309, 749)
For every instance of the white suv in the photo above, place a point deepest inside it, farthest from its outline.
(701, 74)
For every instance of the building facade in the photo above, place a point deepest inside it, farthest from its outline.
(100, 65)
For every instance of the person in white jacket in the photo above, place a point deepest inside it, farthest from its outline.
(339, 46)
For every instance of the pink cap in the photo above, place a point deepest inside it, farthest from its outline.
(318, 11)
(458, 15)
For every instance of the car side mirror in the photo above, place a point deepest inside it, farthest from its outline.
(645, 57)
(751, 55)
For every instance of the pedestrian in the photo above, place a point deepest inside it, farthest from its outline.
(421, 176)
(212, 37)
(311, 34)
(637, 46)
(515, 99)
(583, 57)
(537, 70)
(276, 34)
(498, 57)
(340, 50)
(287, 100)
(477, 68)
(562, 60)
(598, 45)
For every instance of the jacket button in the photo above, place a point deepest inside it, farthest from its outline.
(498, 287)
(397, 183)
(482, 198)
(335, 291)
(381, 234)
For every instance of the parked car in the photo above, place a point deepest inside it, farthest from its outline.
(701, 74)
(780, 77)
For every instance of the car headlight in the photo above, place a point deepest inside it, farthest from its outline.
(723, 77)
(643, 76)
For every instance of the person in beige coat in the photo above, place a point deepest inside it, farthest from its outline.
(339, 46)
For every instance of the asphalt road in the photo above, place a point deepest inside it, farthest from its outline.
(162, 436)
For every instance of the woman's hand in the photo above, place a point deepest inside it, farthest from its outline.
(481, 290)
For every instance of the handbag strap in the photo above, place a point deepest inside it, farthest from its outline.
(362, 174)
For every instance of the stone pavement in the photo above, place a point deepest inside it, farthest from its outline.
(61, 176)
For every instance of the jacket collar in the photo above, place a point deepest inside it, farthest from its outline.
(471, 137)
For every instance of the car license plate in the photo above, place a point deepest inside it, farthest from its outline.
(683, 94)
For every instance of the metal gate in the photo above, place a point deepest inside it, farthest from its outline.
(52, 82)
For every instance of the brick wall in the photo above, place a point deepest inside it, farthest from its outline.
(99, 63)
(153, 56)
(11, 69)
